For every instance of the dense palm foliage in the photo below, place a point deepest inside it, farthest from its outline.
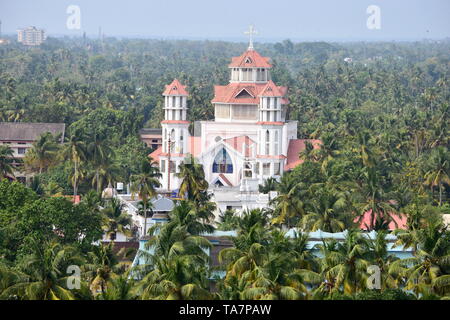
(381, 122)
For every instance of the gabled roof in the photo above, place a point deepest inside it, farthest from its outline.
(175, 89)
(231, 93)
(250, 59)
(272, 90)
(27, 131)
(238, 144)
(294, 148)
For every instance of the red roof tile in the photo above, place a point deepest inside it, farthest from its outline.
(237, 143)
(271, 90)
(155, 154)
(232, 93)
(250, 59)
(294, 148)
(175, 89)
(398, 222)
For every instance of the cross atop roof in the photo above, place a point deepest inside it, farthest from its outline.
(251, 31)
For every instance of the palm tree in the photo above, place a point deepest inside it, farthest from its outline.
(115, 219)
(98, 152)
(75, 151)
(102, 266)
(43, 153)
(145, 184)
(380, 256)
(187, 215)
(438, 175)
(46, 273)
(120, 288)
(324, 210)
(371, 197)
(427, 272)
(288, 205)
(344, 265)
(193, 179)
(6, 159)
(178, 264)
(270, 184)
(105, 173)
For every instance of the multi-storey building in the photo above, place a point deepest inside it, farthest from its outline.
(31, 36)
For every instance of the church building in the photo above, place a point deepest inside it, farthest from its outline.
(249, 140)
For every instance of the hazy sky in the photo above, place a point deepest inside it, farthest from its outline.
(227, 19)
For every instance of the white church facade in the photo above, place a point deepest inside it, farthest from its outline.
(249, 140)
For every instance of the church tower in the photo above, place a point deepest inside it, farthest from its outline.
(175, 133)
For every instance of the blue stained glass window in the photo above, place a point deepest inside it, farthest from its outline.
(222, 162)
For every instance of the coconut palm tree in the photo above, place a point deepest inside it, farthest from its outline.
(145, 184)
(115, 219)
(380, 256)
(75, 151)
(428, 272)
(344, 265)
(99, 153)
(43, 153)
(439, 174)
(324, 210)
(270, 184)
(102, 266)
(120, 288)
(287, 205)
(370, 196)
(177, 265)
(186, 214)
(46, 273)
(193, 179)
(6, 159)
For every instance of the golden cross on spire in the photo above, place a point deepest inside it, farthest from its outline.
(251, 31)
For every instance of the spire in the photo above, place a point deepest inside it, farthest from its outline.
(251, 31)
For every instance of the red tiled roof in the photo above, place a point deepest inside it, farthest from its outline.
(399, 222)
(272, 90)
(237, 143)
(155, 154)
(250, 59)
(175, 89)
(294, 148)
(232, 93)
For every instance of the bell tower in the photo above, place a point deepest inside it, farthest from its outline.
(175, 133)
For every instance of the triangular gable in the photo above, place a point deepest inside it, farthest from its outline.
(244, 93)
(223, 180)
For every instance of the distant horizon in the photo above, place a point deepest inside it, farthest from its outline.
(234, 39)
(321, 20)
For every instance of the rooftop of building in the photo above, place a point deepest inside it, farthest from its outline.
(28, 131)
(250, 59)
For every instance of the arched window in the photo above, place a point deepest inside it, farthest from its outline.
(267, 142)
(172, 140)
(222, 162)
(181, 142)
(275, 144)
